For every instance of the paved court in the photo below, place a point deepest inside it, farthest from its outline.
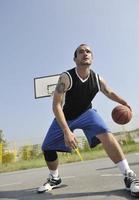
(91, 180)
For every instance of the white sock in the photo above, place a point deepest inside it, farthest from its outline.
(123, 166)
(54, 173)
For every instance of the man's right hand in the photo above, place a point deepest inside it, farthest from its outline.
(70, 139)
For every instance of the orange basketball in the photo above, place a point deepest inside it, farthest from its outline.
(121, 114)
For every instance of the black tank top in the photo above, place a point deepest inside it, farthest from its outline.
(80, 94)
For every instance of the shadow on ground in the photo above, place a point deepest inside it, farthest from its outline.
(30, 194)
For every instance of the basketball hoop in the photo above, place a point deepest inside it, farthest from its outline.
(45, 86)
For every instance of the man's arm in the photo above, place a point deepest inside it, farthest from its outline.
(61, 88)
(107, 91)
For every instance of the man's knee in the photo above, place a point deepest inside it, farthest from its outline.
(50, 155)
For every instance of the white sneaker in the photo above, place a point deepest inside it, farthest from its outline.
(131, 183)
(50, 184)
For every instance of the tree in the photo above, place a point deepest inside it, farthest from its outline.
(2, 140)
(1, 136)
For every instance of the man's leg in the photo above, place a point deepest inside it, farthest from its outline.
(94, 125)
(53, 141)
(51, 159)
(53, 165)
(111, 147)
(116, 154)
(54, 180)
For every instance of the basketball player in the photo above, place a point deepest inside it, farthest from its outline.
(78, 86)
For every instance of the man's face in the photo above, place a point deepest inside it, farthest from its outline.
(84, 55)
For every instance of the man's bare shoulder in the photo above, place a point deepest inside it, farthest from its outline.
(64, 76)
(63, 82)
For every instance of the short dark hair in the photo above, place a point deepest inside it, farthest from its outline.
(75, 53)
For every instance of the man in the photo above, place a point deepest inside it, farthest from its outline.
(78, 86)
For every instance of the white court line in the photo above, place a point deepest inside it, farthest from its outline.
(137, 154)
(19, 183)
(66, 177)
(106, 175)
(9, 184)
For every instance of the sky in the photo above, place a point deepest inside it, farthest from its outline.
(39, 37)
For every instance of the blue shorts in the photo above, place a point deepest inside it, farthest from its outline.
(90, 122)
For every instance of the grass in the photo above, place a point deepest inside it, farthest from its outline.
(89, 154)
(22, 165)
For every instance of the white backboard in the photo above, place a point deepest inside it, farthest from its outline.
(44, 86)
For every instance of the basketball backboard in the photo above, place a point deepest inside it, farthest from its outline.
(44, 86)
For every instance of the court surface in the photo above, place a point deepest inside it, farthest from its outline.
(85, 180)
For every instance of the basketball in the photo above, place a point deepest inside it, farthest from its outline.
(121, 114)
